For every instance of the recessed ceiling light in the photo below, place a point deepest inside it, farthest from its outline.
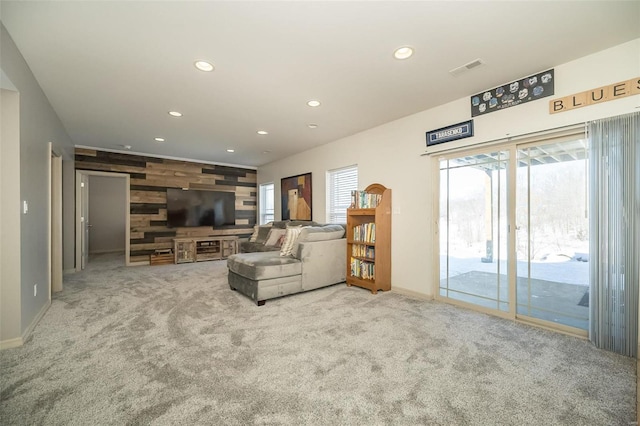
(262, 132)
(231, 150)
(403, 52)
(266, 152)
(313, 103)
(159, 139)
(312, 126)
(175, 114)
(204, 66)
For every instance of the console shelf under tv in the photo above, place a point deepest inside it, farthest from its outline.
(200, 249)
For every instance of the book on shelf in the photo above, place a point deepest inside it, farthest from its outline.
(365, 232)
(364, 200)
(359, 250)
(363, 269)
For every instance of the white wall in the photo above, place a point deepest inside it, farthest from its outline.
(107, 204)
(390, 154)
(39, 125)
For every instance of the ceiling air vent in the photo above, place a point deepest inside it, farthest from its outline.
(466, 67)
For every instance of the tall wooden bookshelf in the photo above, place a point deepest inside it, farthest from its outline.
(369, 242)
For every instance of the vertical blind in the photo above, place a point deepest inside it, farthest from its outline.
(614, 162)
(340, 183)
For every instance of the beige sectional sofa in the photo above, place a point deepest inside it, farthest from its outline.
(317, 260)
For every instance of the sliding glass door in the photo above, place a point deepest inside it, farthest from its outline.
(538, 191)
(473, 231)
(552, 245)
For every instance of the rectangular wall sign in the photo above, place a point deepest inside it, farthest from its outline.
(596, 96)
(450, 133)
(515, 93)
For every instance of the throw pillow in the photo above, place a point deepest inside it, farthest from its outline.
(289, 239)
(254, 236)
(263, 233)
(274, 235)
(280, 241)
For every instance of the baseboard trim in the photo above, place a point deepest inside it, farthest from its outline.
(141, 263)
(11, 343)
(69, 271)
(19, 341)
(411, 293)
(36, 320)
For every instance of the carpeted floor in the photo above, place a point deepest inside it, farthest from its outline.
(168, 345)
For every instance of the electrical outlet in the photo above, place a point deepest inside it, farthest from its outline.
(35, 290)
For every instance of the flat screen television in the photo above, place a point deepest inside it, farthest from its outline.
(200, 208)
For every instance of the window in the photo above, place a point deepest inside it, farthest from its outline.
(266, 203)
(340, 183)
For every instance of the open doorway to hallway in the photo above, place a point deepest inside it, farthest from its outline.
(102, 217)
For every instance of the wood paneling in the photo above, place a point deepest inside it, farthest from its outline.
(148, 196)
(150, 178)
(87, 152)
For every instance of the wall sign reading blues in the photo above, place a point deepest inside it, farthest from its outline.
(450, 133)
(527, 89)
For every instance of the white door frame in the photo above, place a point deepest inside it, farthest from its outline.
(84, 220)
(55, 222)
(79, 233)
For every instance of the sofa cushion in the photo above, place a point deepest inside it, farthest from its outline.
(274, 236)
(264, 266)
(249, 247)
(284, 223)
(317, 233)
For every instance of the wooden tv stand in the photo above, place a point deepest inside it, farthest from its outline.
(199, 249)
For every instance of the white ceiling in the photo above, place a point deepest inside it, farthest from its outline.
(112, 70)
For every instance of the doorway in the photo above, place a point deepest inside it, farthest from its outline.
(513, 231)
(103, 191)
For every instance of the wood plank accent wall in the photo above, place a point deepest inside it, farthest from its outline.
(150, 177)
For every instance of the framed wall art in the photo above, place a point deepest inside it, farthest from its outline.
(295, 193)
(517, 92)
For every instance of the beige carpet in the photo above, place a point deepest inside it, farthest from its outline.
(168, 345)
